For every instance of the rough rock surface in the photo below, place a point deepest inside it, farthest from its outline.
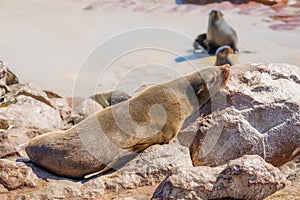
(248, 177)
(82, 108)
(147, 169)
(21, 179)
(292, 172)
(14, 175)
(29, 107)
(260, 115)
(6, 76)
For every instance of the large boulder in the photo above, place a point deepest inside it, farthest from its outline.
(30, 111)
(27, 106)
(259, 114)
(248, 177)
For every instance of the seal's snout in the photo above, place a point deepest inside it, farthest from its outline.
(215, 14)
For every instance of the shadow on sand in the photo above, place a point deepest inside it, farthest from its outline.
(192, 56)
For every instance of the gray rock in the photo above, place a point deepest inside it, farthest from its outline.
(28, 112)
(14, 141)
(261, 115)
(30, 90)
(248, 177)
(64, 109)
(82, 108)
(110, 98)
(6, 76)
(151, 166)
(14, 175)
(147, 169)
(51, 94)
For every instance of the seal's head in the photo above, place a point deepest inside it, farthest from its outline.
(217, 79)
(212, 79)
(215, 15)
(224, 51)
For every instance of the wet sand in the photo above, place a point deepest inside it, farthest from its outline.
(49, 42)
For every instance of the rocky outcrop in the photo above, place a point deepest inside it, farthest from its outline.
(248, 177)
(26, 112)
(261, 115)
(147, 169)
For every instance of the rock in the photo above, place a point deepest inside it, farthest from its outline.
(6, 76)
(261, 115)
(3, 123)
(13, 141)
(14, 175)
(29, 90)
(3, 189)
(110, 98)
(31, 113)
(292, 170)
(82, 108)
(291, 191)
(64, 109)
(150, 167)
(248, 177)
(267, 2)
(11, 78)
(51, 94)
(146, 170)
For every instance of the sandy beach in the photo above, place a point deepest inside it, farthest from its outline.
(81, 47)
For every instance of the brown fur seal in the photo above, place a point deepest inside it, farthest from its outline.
(219, 33)
(114, 135)
(199, 42)
(222, 55)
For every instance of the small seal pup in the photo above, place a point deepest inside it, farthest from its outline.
(222, 56)
(219, 33)
(113, 136)
(199, 43)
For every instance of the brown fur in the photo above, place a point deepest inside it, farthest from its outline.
(113, 135)
(222, 56)
(219, 33)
